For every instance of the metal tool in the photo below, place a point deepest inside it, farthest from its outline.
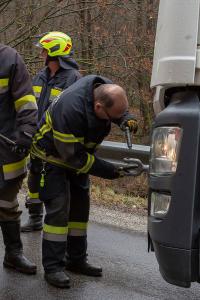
(128, 137)
(134, 167)
(7, 140)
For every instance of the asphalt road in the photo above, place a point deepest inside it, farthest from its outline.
(129, 272)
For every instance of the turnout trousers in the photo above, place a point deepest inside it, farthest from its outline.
(66, 199)
(8, 200)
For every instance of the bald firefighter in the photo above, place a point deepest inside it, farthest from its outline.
(69, 132)
(18, 120)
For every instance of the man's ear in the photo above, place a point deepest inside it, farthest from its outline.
(97, 106)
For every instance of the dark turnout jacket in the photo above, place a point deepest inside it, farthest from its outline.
(18, 111)
(70, 131)
(47, 88)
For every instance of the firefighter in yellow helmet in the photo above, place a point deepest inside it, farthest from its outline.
(60, 71)
(48, 84)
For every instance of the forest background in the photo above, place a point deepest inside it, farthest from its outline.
(114, 38)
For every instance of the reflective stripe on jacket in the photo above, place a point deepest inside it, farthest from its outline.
(18, 110)
(70, 131)
(47, 88)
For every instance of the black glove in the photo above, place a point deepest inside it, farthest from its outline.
(129, 121)
(104, 169)
(128, 170)
(20, 150)
(23, 143)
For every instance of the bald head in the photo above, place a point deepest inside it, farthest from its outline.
(110, 101)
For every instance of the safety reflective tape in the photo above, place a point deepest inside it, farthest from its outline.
(77, 228)
(54, 237)
(58, 162)
(77, 225)
(33, 195)
(55, 229)
(77, 232)
(37, 88)
(4, 85)
(14, 170)
(50, 158)
(24, 100)
(4, 82)
(51, 98)
(33, 201)
(88, 165)
(44, 129)
(28, 106)
(48, 119)
(55, 92)
(6, 204)
(66, 138)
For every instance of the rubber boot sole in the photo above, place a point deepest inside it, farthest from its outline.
(18, 269)
(90, 273)
(58, 285)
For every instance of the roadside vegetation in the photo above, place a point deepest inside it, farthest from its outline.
(113, 38)
(126, 194)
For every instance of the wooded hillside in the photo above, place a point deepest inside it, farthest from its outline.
(110, 37)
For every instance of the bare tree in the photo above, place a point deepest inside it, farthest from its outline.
(114, 38)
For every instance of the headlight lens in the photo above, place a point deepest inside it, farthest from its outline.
(159, 204)
(165, 147)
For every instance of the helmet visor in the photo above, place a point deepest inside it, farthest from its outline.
(36, 39)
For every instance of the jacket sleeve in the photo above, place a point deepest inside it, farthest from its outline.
(24, 102)
(69, 142)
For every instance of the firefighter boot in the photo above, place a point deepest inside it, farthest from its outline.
(76, 257)
(14, 257)
(35, 217)
(58, 279)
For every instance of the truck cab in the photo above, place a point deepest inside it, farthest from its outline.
(174, 174)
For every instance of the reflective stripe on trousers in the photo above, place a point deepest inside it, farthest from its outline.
(33, 198)
(6, 204)
(55, 233)
(8, 200)
(77, 228)
(14, 170)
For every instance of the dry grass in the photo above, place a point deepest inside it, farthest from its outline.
(127, 194)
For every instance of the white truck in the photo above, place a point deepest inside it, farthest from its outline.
(174, 175)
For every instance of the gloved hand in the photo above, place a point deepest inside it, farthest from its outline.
(105, 169)
(123, 171)
(20, 150)
(129, 121)
(23, 143)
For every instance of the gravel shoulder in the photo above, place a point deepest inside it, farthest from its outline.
(115, 217)
(108, 216)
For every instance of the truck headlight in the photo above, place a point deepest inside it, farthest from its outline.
(159, 204)
(165, 147)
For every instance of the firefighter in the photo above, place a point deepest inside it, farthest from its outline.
(60, 71)
(18, 123)
(69, 132)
